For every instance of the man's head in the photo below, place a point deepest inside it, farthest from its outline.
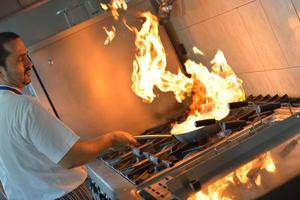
(15, 65)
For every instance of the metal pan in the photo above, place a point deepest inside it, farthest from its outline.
(188, 137)
(211, 127)
(198, 134)
(207, 128)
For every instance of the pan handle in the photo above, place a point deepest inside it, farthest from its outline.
(267, 107)
(233, 124)
(237, 104)
(205, 122)
(146, 137)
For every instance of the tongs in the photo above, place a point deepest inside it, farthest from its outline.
(146, 137)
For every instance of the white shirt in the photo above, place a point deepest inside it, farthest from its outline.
(29, 90)
(32, 142)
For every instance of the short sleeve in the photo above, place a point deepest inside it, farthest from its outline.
(47, 133)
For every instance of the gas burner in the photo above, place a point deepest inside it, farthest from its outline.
(155, 159)
(140, 163)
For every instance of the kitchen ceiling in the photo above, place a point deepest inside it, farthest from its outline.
(9, 7)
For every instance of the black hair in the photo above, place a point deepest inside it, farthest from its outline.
(4, 38)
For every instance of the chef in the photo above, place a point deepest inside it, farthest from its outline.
(40, 157)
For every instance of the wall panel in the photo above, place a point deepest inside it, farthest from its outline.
(260, 39)
(286, 25)
(190, 12)
(282, 81)
(227, 33)
(262, 36)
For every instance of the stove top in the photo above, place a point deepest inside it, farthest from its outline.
(138, 170)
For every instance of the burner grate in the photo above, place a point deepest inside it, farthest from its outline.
(138, 164)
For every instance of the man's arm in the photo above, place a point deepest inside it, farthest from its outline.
(83, 152)
(2, 193)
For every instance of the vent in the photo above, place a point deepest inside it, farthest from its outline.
(10, 7)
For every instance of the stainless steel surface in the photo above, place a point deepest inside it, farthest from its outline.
(223, 145)
(235, 151)
(65, 13)
(9, 7)
(110, 184)
(185, 177)
(85, 5)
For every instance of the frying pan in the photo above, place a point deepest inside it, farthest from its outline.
(209, 127)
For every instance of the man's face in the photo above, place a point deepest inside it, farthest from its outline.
(18, 66)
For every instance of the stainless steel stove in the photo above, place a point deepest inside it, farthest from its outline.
(169, 169)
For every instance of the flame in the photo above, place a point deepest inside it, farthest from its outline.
(242, 172)
(197, 51)
(258, 180)
(114, 6)
(110, 34)
(149, 66)
(269, 164)
(247, 176)
(211, 91)
(104, 6)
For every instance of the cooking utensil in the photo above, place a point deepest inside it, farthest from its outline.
(208, 127)
(146, 137)
(199, 134)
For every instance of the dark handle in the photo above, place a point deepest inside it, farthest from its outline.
(268, 107)
(195, 185)
(233, 124)
(237, 104)
(204, 122)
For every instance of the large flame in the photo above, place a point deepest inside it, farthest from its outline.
(247, 176)
(212, 91)
(110, 34)
(114, 6)
(149, 66)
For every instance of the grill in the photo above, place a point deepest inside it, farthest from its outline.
(166, 168)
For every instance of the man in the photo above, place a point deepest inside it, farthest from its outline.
(40, 158)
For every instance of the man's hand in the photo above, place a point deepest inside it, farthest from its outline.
(83, 152)
(120, 139)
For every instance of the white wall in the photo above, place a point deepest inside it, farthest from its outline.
(260, 39)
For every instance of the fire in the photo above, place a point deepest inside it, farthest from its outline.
(110, 34)
(211, 90)
(247, 176)
(149, 66)
(114, 6)
(104, 6)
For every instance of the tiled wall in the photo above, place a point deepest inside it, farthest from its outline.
(260, 39)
